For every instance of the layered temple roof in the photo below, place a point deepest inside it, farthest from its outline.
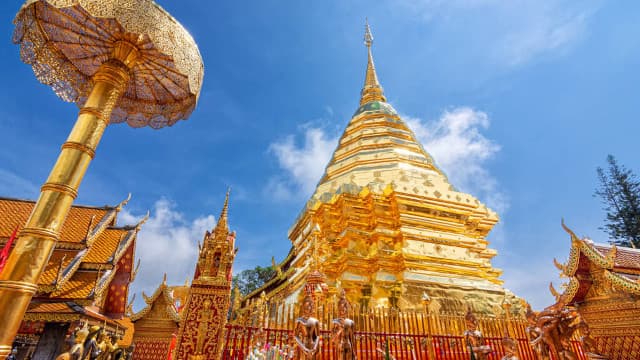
(89, 272)
(163, 301)
(592, 265)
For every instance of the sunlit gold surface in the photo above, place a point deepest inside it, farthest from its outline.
(66, 41)
(38, 238)
(204, 317)
(388, 218)
(155, 325)
(604, 286)
(88, 51)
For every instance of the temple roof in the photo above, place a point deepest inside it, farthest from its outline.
(162, 297)
(618, 265)
(84, 261)
(15, 212)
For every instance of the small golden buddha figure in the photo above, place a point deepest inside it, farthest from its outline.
(77, 349)
(92, 345)
(473, 337)
(307, 331)
(342, 331)
(510, 348)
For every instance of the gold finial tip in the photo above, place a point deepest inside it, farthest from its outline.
(368, 37)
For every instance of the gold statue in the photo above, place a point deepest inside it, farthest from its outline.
(307, 331)
(77, 349)
(342, 332)
(103, 343)
(117, 353)
(589, 343)
(203, 319)
(510, 348)
(473, 337)
(556, 326)
(91, 344)
(275, 267)
(540, 348)
(235, 304)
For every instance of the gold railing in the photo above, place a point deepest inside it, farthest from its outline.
(282, 316)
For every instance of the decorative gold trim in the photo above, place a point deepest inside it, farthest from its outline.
(88, 110)
(18, 286)
(80, 147)
(60, 188)
(39, 233)
(622, 283)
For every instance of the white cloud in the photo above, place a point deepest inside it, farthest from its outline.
(510, 32)
(455, 141)
(460, 149)
(167, 243)
(304, 164)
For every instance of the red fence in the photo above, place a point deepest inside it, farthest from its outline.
(369, 345)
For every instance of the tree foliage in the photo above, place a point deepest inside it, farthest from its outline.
(619, 192)
(251, 279)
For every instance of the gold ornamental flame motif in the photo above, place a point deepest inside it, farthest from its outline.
(66, 41)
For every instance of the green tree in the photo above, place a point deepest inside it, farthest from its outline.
(251, 279)
(619, 192)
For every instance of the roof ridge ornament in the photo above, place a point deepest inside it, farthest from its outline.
(142, 221)
(134, 273)
(123, 203)
(574, 237)
(129, 310)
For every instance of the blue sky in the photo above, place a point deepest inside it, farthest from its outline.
(518, 101)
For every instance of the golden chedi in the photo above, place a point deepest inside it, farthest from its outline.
(388, 225)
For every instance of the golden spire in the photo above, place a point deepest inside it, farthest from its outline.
(222, 224)
(372, 91)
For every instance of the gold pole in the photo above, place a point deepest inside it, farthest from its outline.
(506, 305)
(37, 240)
(426, 301)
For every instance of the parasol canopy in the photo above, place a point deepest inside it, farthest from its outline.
(66, 41)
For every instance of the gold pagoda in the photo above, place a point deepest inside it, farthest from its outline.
(386, 224)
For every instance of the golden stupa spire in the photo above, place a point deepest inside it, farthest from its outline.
(222, 224)
(372, 91)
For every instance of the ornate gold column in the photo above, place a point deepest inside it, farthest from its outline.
(18, 280)
(426, 301)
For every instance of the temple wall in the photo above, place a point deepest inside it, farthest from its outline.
(153, 337)
(615, 325)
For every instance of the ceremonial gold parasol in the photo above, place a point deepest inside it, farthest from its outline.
(120, 61)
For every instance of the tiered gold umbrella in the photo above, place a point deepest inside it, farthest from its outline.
(120, 61)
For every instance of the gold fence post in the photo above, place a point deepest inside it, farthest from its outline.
(426, 301)
(506, 305)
